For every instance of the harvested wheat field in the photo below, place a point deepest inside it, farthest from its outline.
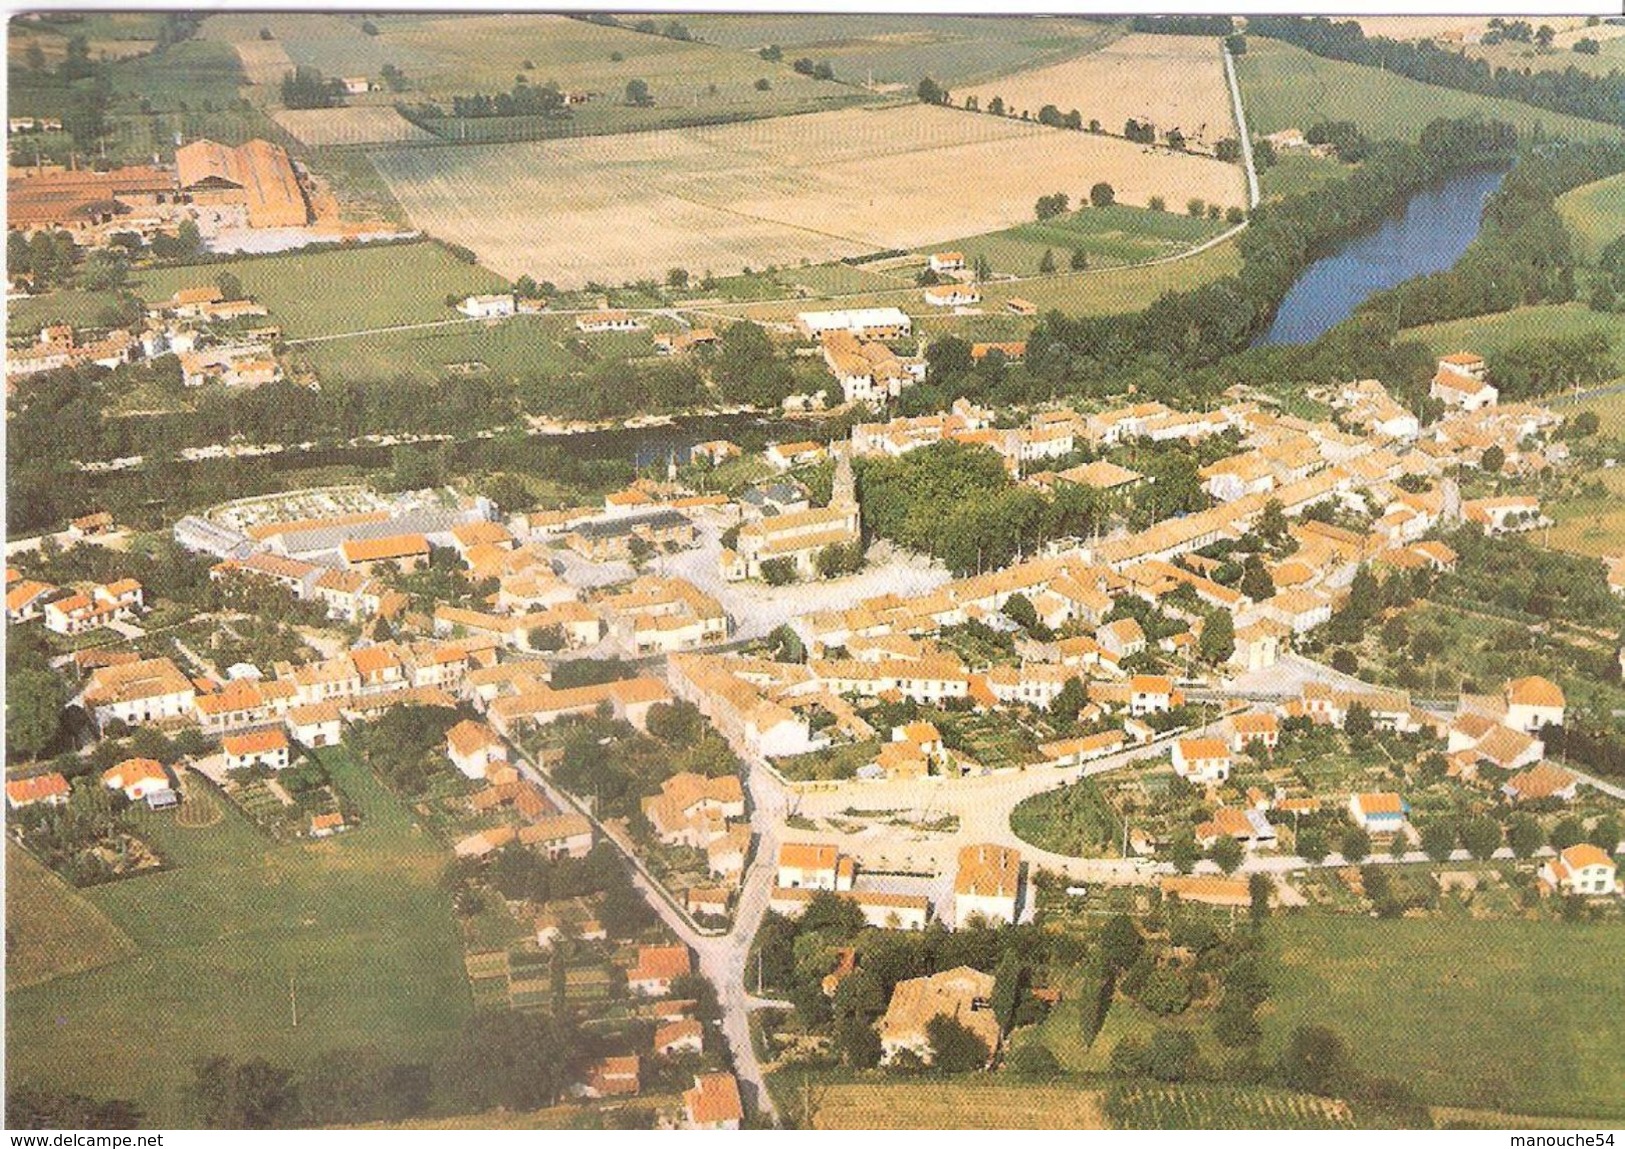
(813, 187)
(327, 127)
(1169, 81)
(264, 61)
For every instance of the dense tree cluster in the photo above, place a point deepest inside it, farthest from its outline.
(959, 503)
(306, 87)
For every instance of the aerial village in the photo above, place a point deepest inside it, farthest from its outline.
(762, 702)
(726, 693)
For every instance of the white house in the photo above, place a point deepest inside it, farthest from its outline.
(1584, 869)
(805, 865)
(987, 885)
(260, 747)
(137, 777)
(953, 295)
(1459, 382)
(487, 306)
(473, 747)
(942, 261)
(1534, 702)
(1380, 813)
(1201, 759)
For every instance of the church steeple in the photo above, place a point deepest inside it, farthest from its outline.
(844, 489)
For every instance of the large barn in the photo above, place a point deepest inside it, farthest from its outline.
(80, 199)
(258, 175)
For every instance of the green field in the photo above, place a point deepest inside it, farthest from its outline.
(524, 345)
(80, 308)
(1109, 236)
(1075, 820)
(1596, 212)
(1284, 86)
(359, 923)
(1108, 291)
(1514, 1015)
(443, 55)
(328, 292)
(51, 929)
(900, 49)
(1489, 334)
(1297, 173)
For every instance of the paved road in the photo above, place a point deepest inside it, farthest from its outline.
(1241, 128)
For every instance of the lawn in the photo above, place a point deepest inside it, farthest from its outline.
(1513, 1015)
(1075, 820)
(520, 346)
(1595, 212)
(1591, 524)
(1295, 174)
(358, 925)
(1109, 236)
(348, 289)
(80, 308)
(1490, 334)
(1283, 86)
(51, 929)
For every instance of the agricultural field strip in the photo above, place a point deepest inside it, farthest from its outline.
(1168, 81)
(799, 173)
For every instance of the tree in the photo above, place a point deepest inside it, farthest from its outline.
(1259, 891)
(1438, 839)
(824, 70)
(1234, 216)
(1050, 206)
(252, 1094)
(772, 53)
(778, 571)
(1018, 608)
(1218, 641)
(1256, 582)
(637, 94)
(1157, 203)
(1524, 835)
(763, 84)
(1312, 845)
(1009, 987)
(1069, 703)
(1226, 853)
(1120, 943)
(1165, 992)
(34, 702)
(1481, 836)
(856, 1043)
(1234, 1022)
(547, 638)
(1315, 1060)
(1354, 844)
(1079, 260)
(1183, 851)
(105, 270)
(1032, 1061)
(1195, 207)
(1568, 832)
(1102, 195)
(954, 1048)
(995, 106)
(1171, 1056)
(1046, 263)
(515, 1060)
(1358, 722)
(931, 92)
(677, 277)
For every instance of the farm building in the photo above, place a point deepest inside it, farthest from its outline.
(76, 200)
(487, 306)
(257, 176)
(865, 323)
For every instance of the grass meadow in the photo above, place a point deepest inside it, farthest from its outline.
(357, 924)
(1283, 86)
(1511, 1015)
(1595, 212)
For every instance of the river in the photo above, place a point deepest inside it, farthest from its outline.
(1429, 235)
